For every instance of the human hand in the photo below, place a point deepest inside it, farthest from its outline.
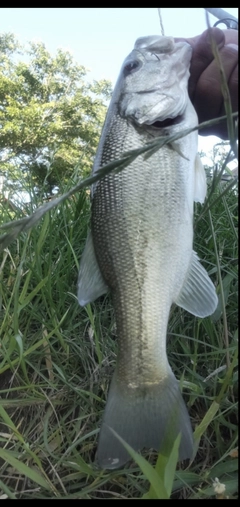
(204, 83)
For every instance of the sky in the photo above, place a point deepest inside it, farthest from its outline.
(101, 38)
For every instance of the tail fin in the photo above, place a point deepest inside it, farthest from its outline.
(144, 417)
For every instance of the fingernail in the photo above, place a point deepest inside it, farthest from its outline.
(233, 46)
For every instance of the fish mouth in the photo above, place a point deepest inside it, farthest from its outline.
(169, 122)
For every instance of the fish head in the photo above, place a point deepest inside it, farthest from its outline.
(153, 82)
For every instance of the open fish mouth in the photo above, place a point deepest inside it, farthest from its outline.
(169, 122)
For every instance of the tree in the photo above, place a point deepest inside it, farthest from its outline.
(50, 117)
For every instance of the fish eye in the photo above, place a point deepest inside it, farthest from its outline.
(131, 67)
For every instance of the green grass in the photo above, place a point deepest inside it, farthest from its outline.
(56, 360)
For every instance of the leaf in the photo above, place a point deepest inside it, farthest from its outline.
(209, 416)
(23, 469)
(166, 466)
(185, 479)
(158, 489)
(170, 468)
(225, 468)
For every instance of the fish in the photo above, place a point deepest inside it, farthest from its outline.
(140, 247)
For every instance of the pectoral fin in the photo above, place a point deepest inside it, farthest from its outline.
(176, 147)
(198, 294)
(200, 187)
(91, 284)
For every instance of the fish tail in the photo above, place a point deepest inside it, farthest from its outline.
(148, 416)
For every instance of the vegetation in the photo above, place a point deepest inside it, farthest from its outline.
(50, 117)
(56, 358)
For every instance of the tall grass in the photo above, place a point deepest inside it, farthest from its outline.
(56, 360)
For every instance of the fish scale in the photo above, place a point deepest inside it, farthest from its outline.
(136, 278)
(140, 248)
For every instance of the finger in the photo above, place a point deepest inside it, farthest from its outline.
(230, 55)
(208, 98)
(231, 36)
(233, 90)
(202, 56)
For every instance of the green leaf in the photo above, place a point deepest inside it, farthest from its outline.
(209, 416)
(24, 469)
(170, 467)
(158, 488)
(33, 293)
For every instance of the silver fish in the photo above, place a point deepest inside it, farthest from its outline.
(140, 246)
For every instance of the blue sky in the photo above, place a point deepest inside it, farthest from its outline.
(100, 38)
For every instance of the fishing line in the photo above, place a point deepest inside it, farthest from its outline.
(161, 22)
